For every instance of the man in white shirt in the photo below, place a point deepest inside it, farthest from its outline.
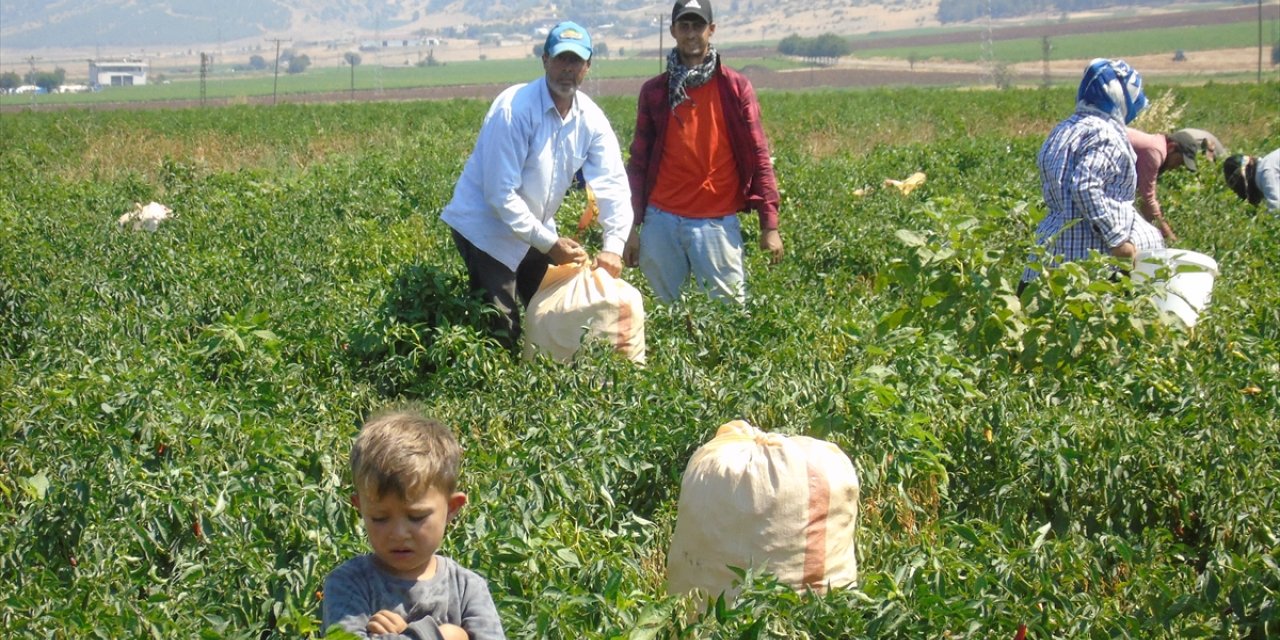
(535, 137)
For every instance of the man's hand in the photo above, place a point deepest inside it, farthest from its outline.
(771, 242)
(610, 262)
(567, 250)
(1125, 249)
(1165, 229)
(453, 632)
(631, 252)
(386, 621)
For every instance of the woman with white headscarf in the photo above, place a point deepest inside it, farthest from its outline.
(1087, 172)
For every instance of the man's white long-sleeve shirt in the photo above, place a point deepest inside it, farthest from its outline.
(524, 159)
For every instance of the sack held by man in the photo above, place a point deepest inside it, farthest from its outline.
(576, 303)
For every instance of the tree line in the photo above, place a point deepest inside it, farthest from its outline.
(964, 10)
(824, 49)
(47, 80)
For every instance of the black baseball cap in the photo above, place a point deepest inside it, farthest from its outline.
(700, 8)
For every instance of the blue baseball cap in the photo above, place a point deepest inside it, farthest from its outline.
(568, 36)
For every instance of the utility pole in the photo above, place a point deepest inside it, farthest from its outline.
(352, 59)
(1045, 48)
(31, 78)
(988, 50)
(275, 82)
(662, 19)
(1259, 41)
(377, 54)
(205, 60)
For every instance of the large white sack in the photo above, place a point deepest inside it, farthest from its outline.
(777, 504)
(146, 218)
(576, 303)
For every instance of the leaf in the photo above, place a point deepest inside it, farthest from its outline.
(37, 486)
(966, 532)
(652, 621)
(910, 238)
(266, 335)
(753, 632)
(891, 321)
(220, 506)
(1013, 303)
(1211, 586)
(567, 556)
(1041, 534)
(1271, 564)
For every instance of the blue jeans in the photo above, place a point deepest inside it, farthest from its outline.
(672, 247)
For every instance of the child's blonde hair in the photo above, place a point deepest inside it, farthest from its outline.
(401, 451)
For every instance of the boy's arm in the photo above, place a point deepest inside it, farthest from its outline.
(479, 614)
(422, 629)
(349, 606)
(347, 603)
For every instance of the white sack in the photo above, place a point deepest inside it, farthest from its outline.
(778, 504)
(576, 303)
(145, 218)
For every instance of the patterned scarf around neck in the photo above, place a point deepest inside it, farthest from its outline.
(681, 77)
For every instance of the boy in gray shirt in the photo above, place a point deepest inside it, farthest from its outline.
(405, 471)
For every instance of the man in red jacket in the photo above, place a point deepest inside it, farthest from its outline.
(699, 157)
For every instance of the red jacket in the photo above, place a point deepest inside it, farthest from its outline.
(746, 136)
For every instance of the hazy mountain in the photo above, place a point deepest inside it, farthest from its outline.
(73, 23)
(31, 24)
(81, 23)
(27, 24)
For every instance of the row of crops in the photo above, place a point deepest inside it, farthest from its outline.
(176, 407)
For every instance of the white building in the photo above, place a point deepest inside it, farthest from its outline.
(397, 43)
(121, 73)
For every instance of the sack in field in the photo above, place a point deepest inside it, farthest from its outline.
(773, 503)
(906, 186)
(576, 303)
(146, 218)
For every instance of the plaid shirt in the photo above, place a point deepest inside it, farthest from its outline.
(1087, 177)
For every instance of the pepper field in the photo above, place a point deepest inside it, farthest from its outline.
(176, 407)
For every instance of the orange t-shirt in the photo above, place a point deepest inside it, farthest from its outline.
(697, 177)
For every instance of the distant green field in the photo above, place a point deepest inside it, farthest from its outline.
(329, 79)
(1124, 43)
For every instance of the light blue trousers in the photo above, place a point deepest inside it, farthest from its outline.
(672, 247)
